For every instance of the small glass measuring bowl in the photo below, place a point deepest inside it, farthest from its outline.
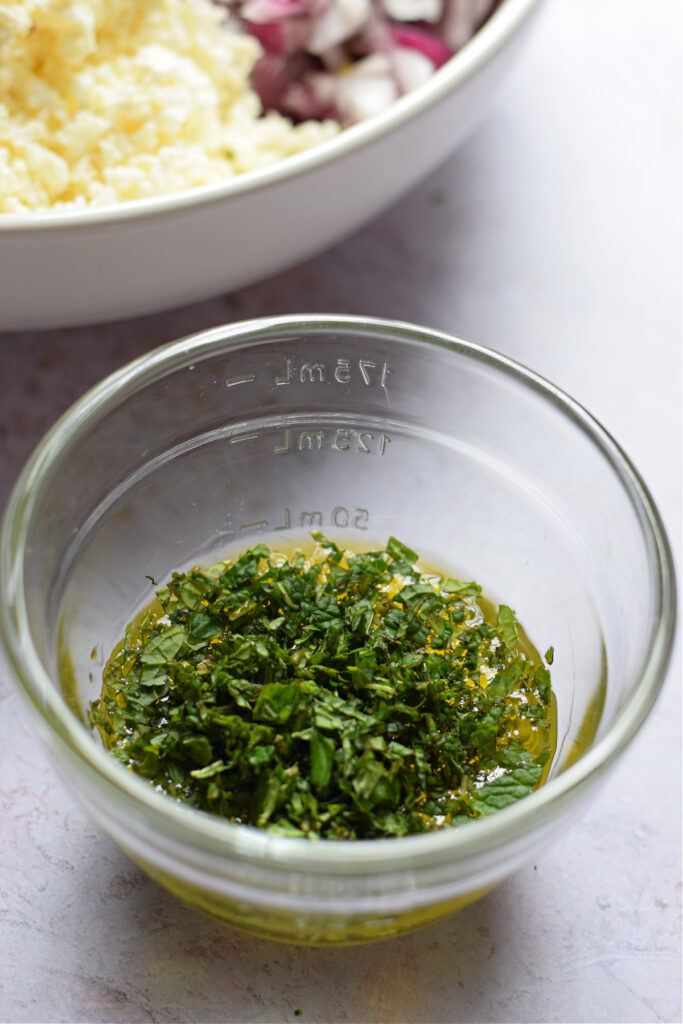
(363, 429)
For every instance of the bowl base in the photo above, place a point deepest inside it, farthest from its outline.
(306, 929)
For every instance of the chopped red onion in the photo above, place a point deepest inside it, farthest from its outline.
(351, 59)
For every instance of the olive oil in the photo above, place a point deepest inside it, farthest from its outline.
(330, 693)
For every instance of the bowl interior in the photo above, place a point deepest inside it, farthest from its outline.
(364, 431)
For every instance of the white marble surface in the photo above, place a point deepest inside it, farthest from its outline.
(553, 235)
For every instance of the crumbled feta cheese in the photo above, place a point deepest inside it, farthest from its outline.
(109, 100)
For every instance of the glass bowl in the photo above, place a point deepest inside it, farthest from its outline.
(363, 429)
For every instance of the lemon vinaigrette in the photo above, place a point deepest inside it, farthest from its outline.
(317, 691)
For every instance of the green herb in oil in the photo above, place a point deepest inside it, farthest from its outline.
(339, 696)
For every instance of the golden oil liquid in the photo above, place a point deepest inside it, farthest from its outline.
(324, 928)
(536, 737)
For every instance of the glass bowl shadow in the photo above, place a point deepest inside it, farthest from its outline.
(363, 429)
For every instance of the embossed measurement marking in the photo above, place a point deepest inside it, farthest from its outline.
(244, 437)
(248, 378)
(252, 526)
(343, 371)
(340, 517)
(343, 439)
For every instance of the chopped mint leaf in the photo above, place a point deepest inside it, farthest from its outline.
(347, 695)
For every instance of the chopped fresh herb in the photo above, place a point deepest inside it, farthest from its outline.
(342, 696)
(507, 623)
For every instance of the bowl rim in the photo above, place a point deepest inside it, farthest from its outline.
(501, 25)
(198, 829)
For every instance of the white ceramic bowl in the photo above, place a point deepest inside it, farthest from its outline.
(66, 268)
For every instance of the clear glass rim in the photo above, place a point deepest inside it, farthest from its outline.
(503, 23)
(200, 830)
